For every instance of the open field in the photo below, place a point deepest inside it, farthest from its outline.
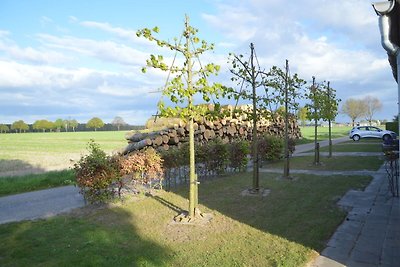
(38, 152)
(285, 228)
(56, 146)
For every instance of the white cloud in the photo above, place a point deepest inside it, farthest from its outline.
(230, 16)
(107, 51)
(332, 40)
(19, 75)
(121, 32)
(124, 91)
(40, 55)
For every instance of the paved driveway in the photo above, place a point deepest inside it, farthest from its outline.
(39, 204)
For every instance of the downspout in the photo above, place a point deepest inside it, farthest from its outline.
(384, 28)
(383, 9)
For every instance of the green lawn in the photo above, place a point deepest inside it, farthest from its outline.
(307, 133)
(20, 184)
(39, 152)
(283, 229)
(364, 145)
(342, 163)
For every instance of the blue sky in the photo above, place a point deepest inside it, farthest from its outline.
(80, 59)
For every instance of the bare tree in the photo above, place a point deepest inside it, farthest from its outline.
(354, 108)
(118, 122)
(372, 105)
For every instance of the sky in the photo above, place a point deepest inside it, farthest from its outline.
(80, 59)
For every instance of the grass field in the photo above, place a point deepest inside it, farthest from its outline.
(307, 133)
(39, 152)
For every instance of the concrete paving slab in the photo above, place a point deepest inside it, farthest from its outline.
(371, 228)
(326, 262)
(339, 254)
(363, 256)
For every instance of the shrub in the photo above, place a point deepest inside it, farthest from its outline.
(238, 151)
(143, 167)
(96, 173)
(217, 156)
(392, 126)
(292, 145)
(270, 147)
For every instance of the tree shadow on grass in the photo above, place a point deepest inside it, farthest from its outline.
(104, 238)
(302, 211)
(16, 167)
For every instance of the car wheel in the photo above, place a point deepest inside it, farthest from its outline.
(386, 137)
(356, 137)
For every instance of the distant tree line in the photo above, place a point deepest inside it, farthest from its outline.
(68, 125)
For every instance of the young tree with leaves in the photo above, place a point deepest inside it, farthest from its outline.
(330, 110)
(317, 99)
(187, 82)
(248, 72)
(286, 89)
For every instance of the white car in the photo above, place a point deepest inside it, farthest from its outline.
(370, 131)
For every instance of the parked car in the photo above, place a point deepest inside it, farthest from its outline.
(370, 131)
